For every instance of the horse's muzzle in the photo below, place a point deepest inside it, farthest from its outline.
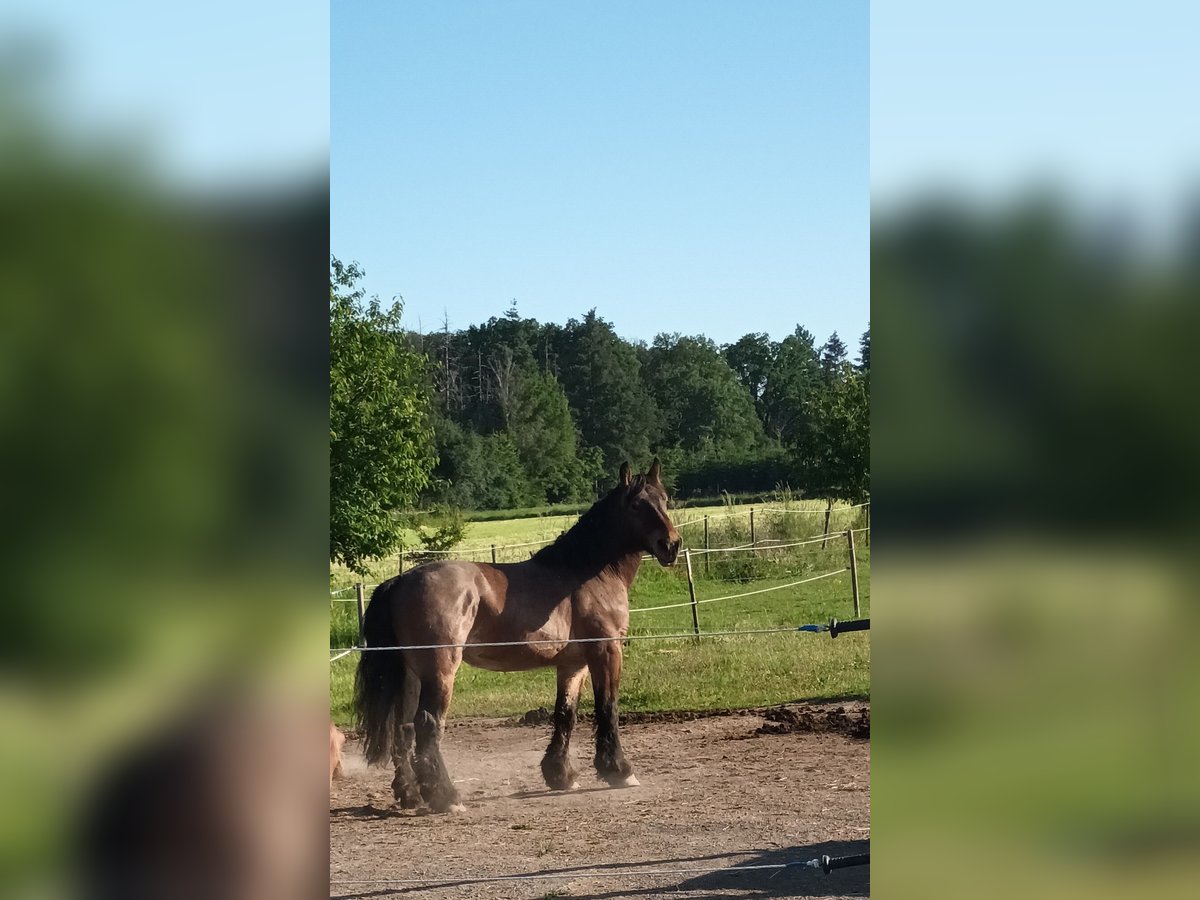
(666, 552)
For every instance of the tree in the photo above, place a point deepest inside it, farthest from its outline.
(600, 374)
(838, 457)
(487, 360)
(381, 449)
(864, 351)
(479, 471)
(542, 430)
(818, 405)
(751, 357)
(703, 407)
(833, 355)
(792, 386)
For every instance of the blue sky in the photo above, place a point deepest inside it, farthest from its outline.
(1095, 100)
(214, 96)
(699, 167)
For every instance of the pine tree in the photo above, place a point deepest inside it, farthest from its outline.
(833, 354)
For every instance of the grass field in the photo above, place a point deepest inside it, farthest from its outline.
(683, 673)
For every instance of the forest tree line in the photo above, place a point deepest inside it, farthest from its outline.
(515, 413)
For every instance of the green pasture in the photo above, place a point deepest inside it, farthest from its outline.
(684, 673)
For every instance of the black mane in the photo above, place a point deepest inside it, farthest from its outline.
(592, 540)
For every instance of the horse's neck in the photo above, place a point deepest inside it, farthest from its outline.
(621, 568)
(625, 567)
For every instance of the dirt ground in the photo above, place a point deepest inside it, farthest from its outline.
(719, 791)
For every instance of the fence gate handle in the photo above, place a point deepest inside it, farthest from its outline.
(836, 627)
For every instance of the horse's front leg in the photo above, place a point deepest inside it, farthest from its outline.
(556, 764)
(605, 666)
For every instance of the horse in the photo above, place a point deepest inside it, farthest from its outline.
(575, 588)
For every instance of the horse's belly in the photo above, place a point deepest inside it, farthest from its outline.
(514, 659)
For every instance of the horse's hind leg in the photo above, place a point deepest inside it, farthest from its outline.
(404, 784)
(556, 764)
(437, 687)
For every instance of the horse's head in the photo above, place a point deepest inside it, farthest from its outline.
(644, 513)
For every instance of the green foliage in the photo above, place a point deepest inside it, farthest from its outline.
(839, 446)
(703, 408)
(480, 471)
(380, 440)
(601, 376)
(792, 385)
(751, 358)
(818, 405)
(529, 414)
(442, 529)
(759, 471)
(833, 356)
(541, 428)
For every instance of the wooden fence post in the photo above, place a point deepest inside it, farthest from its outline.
(867, 510)
(828, 512)
(853, 570)
(362, 609)
(752, 540)
(493, 554)
(706, 553)
(687, 558)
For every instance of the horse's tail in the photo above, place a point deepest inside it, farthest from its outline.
(379, 681)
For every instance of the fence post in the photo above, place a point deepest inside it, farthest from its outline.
(853, 570)
(752, 540)
(362, 609)
(687, 558)
(493, 554)
(867, 510)
(706, 553)
(401, 572)
(828, 511)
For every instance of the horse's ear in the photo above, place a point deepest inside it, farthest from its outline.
(625, 476)
(655, 472)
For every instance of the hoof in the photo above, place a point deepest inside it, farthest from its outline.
(405, 794)
(444, 803)
(558, 774)
(628, 781)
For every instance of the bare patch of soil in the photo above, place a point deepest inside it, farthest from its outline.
(717, 792)
(818, 720)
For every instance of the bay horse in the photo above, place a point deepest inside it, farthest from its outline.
(577, 587)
